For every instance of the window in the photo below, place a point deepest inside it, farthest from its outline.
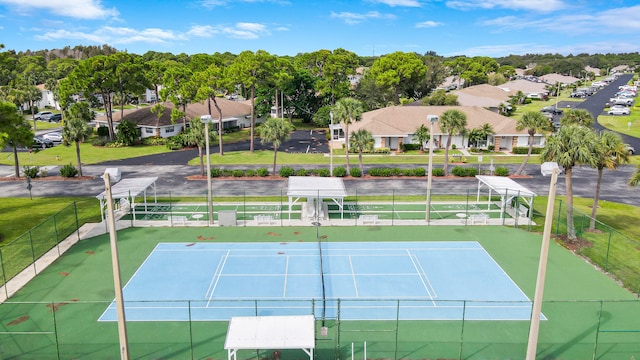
(148, 130)
(169, 129)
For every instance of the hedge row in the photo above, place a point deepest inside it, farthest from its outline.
(523, 150)
(340, 171)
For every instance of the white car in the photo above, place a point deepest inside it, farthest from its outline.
(53, 136)
(619, 110)
(42, 115)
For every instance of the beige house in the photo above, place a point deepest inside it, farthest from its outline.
(393, 126)
(234, 115)
(484, 95)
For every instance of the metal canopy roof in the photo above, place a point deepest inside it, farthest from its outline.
(504, 185)
(270, 332)
(129, 188)
(316, 186)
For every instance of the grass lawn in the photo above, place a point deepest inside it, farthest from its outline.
(620, 123)
(21, 214)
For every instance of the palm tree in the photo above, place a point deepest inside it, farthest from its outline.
(195, 135)
(577, 116)
(452, 122)
(422, 136)
(362, 140)
(634, 180)
(347, 110)
(535, 123)
(571, 145)
(275, 131)
(76, 128)
(610, 153)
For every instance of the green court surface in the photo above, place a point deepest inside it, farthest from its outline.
(589, 315)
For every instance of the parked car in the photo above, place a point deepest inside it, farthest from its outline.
(621, 101)
(619, 110)
(630, 149)
(578, 94)
(53, 136)
(55, 118)
(552, 110)
(42, 114)
(41, 143)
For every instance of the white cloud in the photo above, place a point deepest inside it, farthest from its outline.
(247, 31)
(393, 3)
(608, 21)
(428, 24)
(81, 9)
(356, 18)
(209, 4)
(204, 31)
(536, 5)
(115, 35)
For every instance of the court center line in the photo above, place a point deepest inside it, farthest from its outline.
(353, 274)
(426, 287)
(216, 276)
(286, 274)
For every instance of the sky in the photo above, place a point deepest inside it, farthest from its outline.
(491, 28)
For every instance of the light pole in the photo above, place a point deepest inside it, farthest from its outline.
(206, 119)
(432, 120)
(534, 327)
(331, 143)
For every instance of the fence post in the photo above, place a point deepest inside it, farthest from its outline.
(75, 212)
(558, 221)
(606, 261)
(4, 274)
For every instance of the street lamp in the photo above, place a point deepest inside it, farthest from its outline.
(331, 143)
(432, 119)
(534, 327)
(206, 119)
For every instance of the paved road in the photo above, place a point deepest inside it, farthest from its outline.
(172, 179)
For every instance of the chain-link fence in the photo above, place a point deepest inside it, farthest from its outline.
(23, 252)
(570, 330)
(606, 247)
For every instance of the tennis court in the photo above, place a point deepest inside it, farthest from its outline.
(57, 314)
(215, 281)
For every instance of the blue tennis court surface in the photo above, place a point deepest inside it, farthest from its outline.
(372, 280)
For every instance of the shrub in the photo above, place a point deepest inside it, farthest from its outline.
(437, 172)
(250, 172)
(301, 172)
(237, 173)
(523, 150)
(155, 140)
(453, 146)
(324, 172)
(381, 172)
(419, 171)
(286, 171)
(175, 143)
(68, 171)
(464, 171)
(491, 147)
(227, 172)
(408, 147)
(262, 172)
(100, 141)
(31, 171)
(340, 171)
(395, 171)
(216, 172)
(502, 171)
(356, 172)
(407, 172)
(103, 131)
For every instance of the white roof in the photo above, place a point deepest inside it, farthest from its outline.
(129, 188)
(316, 186)
(271, 332)
(502, 185)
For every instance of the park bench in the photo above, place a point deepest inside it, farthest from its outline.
(264, 219)
(479, 218)
(178, 219)
(368, 219)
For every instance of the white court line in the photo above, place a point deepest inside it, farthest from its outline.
(216, 276)
(353, 274)
(286, 274)
(411, 257)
